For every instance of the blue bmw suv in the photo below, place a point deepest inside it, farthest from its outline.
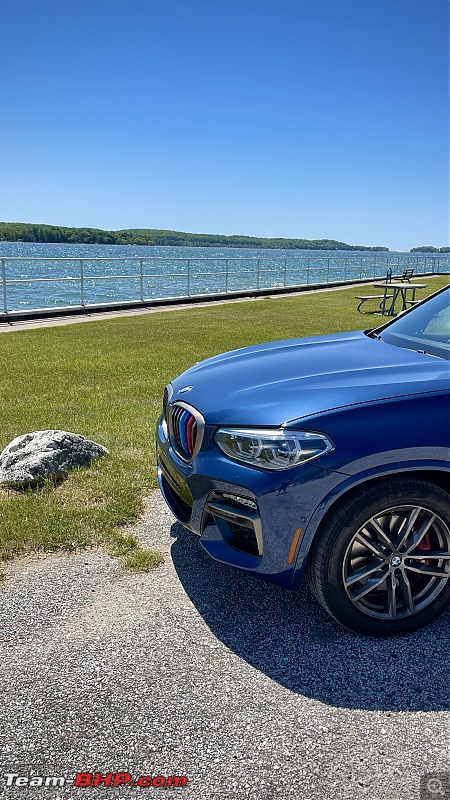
(326, 455)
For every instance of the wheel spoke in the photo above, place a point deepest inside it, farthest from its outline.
(407, 526)
(426, 554)
(418, 535)
(423, 569)
(405, 587)
(381, 534)
(371, 584)
(392, 594)
(363, 537)
(363, 573)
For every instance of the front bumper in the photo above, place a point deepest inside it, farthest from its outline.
(245, 517)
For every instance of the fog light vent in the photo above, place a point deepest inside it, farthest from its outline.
(240, 527)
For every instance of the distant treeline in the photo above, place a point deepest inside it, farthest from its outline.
(181, 239)
(428, 248)
(25, 232)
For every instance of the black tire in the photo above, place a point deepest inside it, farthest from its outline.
(371, 564)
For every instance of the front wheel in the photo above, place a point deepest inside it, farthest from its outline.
(381, 563)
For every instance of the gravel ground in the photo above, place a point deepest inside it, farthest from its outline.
(195, 669)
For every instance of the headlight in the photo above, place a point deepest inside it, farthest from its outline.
(272, 449)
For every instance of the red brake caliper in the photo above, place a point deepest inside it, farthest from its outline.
(425, 545)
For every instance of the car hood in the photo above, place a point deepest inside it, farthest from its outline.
(277, 382)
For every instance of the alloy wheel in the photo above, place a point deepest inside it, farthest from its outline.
(397, 563)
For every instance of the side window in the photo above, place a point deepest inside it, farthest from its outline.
(439, 325)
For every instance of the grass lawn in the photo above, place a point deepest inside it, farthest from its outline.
(105, 380)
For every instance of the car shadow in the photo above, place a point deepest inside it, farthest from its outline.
(288, 637)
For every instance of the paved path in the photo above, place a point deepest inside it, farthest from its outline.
(195, 669)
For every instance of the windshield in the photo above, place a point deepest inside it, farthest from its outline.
(425, 328)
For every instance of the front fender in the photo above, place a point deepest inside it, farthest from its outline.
(359, 474)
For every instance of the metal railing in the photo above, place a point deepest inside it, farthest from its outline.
(225, 276)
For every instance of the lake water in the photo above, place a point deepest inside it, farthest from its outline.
(160, 272)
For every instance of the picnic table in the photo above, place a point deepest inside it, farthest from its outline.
(391, 291)
(398, 289)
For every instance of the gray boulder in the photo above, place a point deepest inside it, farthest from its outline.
(34, 456)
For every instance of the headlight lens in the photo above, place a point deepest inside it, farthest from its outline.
(272, 448)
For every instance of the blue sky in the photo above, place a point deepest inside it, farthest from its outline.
(310, 119)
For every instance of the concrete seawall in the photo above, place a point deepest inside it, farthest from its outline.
(23, 320)
(63, 311)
